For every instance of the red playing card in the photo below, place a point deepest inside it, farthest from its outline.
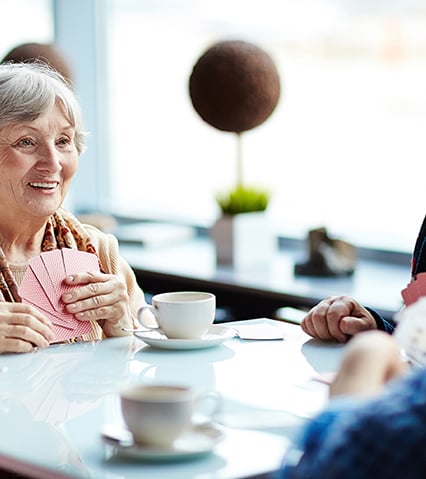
(71, 330)
(409, 294)
(65, 325)
(42, 275)
(54, 265)
(415, 290)
(63, 333)
(53, 317)
(76, 261)
(32, 291)
(43, 285)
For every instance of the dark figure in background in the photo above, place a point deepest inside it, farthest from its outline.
(42, 52)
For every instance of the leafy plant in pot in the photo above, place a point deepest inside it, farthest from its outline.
(235, 86)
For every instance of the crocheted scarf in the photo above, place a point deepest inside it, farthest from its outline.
(63, 230)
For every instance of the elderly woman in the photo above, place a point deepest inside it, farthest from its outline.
(41, 139)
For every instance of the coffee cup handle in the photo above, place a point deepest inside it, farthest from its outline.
(216, 406)
(141, 317)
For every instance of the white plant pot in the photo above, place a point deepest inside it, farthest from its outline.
(244, 240)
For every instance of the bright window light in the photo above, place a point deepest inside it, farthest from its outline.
(25, 21)
(345, 147)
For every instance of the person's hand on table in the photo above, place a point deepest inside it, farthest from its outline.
(337, 318)
(23, 328)
(100, 297)
(371, 359)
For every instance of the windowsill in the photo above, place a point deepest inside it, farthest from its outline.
(296, 244)
(377, 281)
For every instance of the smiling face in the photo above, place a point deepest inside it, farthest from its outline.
(38, 159)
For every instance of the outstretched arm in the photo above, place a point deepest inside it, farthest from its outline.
(371, 428)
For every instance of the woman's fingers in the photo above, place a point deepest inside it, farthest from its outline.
(98, 296)
(23, 327)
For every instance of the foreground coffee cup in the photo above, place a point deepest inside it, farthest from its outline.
(157, 414)
(181, 315)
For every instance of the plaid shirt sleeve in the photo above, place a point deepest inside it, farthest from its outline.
(384, 438)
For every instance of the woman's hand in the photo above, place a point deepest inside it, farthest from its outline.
(100, 297)
(23, 328)
(337, 318)
(371, 360)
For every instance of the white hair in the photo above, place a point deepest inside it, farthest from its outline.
(27, 90)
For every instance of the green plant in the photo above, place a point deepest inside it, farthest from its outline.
(243, 200)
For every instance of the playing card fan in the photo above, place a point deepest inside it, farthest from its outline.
(43, 286)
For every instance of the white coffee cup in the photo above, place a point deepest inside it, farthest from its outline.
(157, 414)
(181, 315)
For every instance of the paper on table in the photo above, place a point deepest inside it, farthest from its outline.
(259, 332)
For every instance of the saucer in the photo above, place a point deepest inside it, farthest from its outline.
(215, 335)
(200, 440)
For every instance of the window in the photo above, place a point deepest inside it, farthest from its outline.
(345, 147)
(25, 21)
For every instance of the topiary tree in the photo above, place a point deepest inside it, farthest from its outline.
(235, 86)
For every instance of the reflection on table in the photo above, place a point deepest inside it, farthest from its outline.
(55, 402)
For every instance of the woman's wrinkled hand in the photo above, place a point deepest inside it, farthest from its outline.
(337, 318)
(23, 328)
(100, 297)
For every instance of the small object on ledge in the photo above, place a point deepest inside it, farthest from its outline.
(328, 257)
(152, 234)
(102, 221)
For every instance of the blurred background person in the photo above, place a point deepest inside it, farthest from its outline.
(42, 52)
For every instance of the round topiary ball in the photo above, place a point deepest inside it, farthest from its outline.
(234, 86)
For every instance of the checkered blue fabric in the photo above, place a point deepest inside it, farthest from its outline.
(384, 438)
